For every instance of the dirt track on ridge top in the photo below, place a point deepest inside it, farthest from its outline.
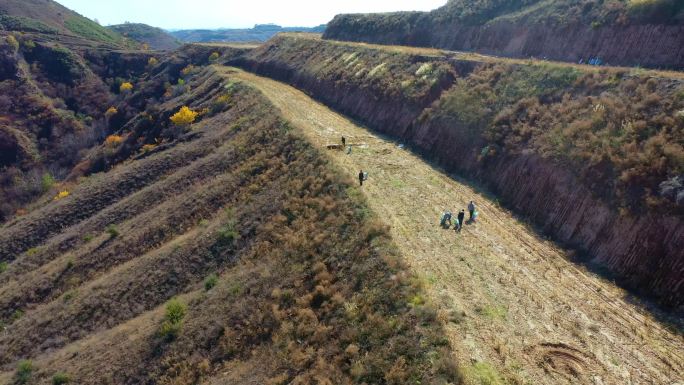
(508, 297)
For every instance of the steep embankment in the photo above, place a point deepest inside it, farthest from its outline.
(516, 311)
(280, 273)
(631, 33)
(587, 155)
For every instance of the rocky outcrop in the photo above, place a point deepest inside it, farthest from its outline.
(642, 251)
(647, 45)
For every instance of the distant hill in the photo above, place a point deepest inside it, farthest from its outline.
(155, 38)
(260, 32)
(619, 32)
(49, 17)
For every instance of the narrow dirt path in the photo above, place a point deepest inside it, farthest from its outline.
(511, 301)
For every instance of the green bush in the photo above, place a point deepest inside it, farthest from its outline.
(47, 181)
(227, 235)
(24, 371)
(60, 379)
(210, 282)
(113, 231)
(3, 267)
(173, 319)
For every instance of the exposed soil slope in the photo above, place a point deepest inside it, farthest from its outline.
(588, 155)
(512, 301)
(633, 33)
(280, 272)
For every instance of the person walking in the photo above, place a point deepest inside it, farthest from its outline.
(344, 142)
(361, 177)
(461, 218)
(471, 210)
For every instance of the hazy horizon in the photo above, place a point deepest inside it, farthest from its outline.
(214, 14)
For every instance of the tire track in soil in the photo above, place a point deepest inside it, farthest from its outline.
(529, 312)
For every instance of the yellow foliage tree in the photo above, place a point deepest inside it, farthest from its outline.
(152, 62)
(113, 140)
(184, 116)
(214, 56)
(61, 195)
(125, 87)
(111, 112)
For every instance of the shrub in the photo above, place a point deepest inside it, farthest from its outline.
(61, 195)
(185, 116)
(220, 104)
(111, 111)
(17, 315)
(227, 235)
(12, 41)
(214, 56)
(112, 231)
(210, 282)
(60, 379)
(125, 87)
(173, 319)
(189, 70)
(46, 182)
(24, 371)
(148, 147)
(88, 238)
(29, 45)
(152, 62)
(3, 267)
(113, 140)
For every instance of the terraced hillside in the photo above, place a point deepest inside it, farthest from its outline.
(280, 273)
(589, 155)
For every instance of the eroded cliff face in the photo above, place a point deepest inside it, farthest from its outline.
(647, 45)
(642, 250)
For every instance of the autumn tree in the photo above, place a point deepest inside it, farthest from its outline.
(184, 117)
(126, 87)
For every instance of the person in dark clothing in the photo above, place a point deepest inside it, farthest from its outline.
(471, 209)
(461, 218)
(446, 220)
(344, 142)
(361, 177)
